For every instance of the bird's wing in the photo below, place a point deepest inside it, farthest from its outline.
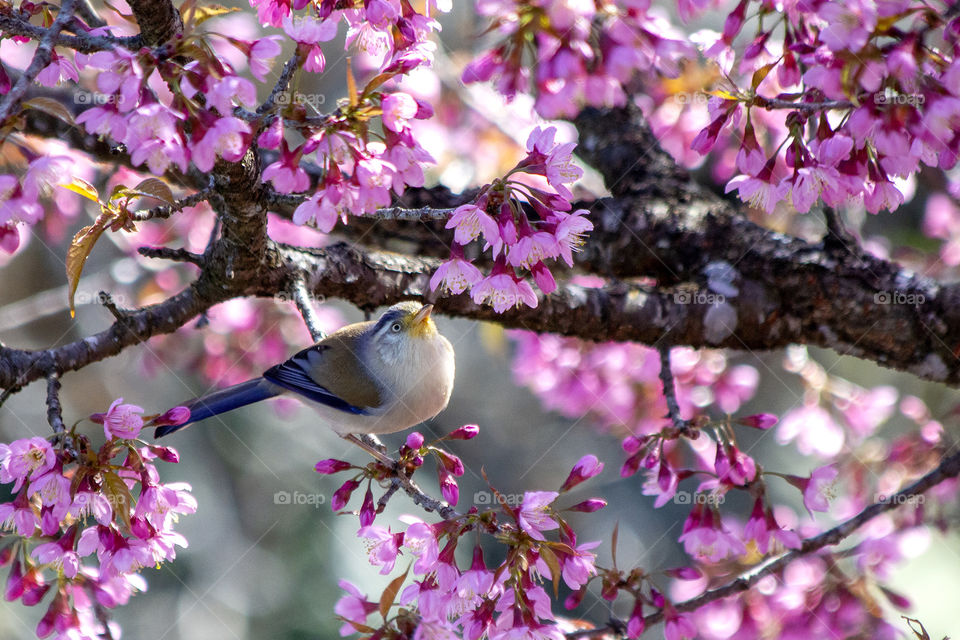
(330, 373)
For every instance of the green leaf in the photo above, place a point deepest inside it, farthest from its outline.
(84, 188)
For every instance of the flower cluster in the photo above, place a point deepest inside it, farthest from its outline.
(83, 522)
(618, 384)
(861, 111)
(581, 52)
(499, 602)
(524, 220)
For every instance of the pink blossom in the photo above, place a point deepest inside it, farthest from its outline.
(398, 108)
(120, 420)
(421, 539)
(818, 488)
(228, 138)
(19, 516)
(579, 566)
(883, 195)
(533, 516)
(469, 221)
(222, 93)
(286, 174)
(759, 192)
(262, 55)
(320, 208)
(26, 458)
(504, 291)
(383, 546)
(570, 231)
(59, 554)
(678, 626)
(532, 248)
(54, 492)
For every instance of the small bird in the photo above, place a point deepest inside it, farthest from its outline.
(365, 378)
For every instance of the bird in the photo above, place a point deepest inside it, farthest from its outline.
(371, 377)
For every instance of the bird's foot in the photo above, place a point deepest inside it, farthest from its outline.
(371, 445)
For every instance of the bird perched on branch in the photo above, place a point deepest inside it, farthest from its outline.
(367, 378)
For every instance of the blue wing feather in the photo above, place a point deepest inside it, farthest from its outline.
(293, 375)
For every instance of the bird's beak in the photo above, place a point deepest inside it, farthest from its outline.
(423, 315)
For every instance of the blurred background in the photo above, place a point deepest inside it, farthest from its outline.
(265, 549)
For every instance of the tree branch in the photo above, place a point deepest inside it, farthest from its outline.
(41, 58)
(949, 468)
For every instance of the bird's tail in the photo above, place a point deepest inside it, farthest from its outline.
(222, 401)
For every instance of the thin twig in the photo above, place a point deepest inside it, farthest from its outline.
(304, 302)
(86, 11)
(167, 210)
(82, 42)
(283, 83)
(777, 103)
(107, 300)
(41, 58)
(175, 255)
(54, 411)
(670, 390)
(272, 199)
(948, 468)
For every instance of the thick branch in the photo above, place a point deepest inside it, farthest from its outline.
(159, 20)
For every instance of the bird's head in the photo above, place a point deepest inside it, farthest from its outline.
(406, 321)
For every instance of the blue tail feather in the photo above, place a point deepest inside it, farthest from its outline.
(228, 399)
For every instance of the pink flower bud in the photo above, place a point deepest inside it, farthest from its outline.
(448, 486)
(172, 417)
(636, 625)
(167, 454)
(657, 598)
(451, 463)
(466, 432)
(415, 440)
(342, 495)
(589, 506)
(367, 512)
(331, 465)
(759, 421)
(684, 573)
(573, 600)
(587, 467)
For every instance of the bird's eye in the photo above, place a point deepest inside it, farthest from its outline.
(396, 327)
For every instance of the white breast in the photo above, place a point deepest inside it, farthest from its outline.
(408, 399)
